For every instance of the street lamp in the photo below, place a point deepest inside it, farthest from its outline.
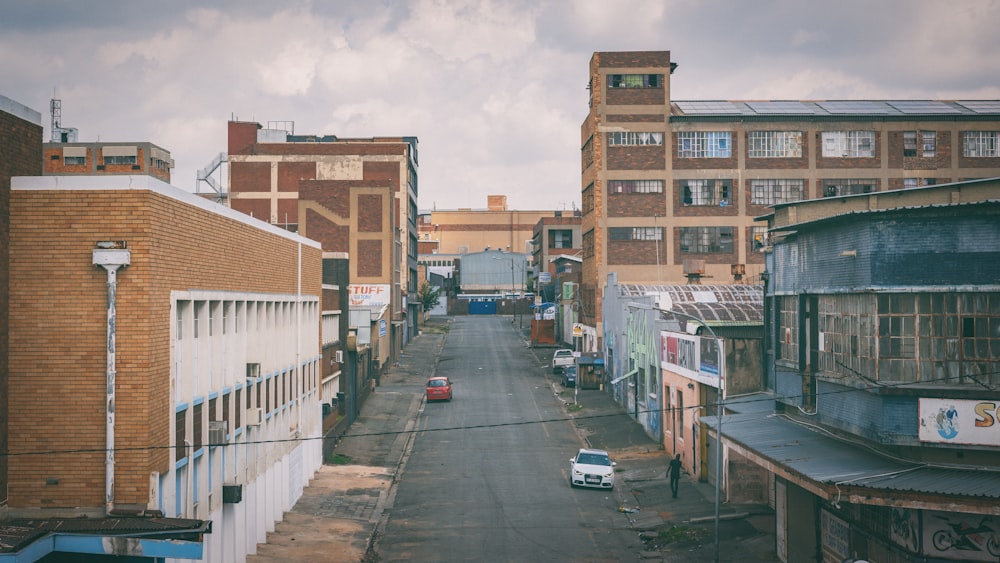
(720, 407)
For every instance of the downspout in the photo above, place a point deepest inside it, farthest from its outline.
(110, 255)
(298, 345)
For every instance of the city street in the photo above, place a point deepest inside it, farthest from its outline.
(487, 474)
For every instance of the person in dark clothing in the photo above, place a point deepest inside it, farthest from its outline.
(674, 472)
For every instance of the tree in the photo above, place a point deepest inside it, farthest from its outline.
(429, 296)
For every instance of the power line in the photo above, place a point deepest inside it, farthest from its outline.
(769, 398)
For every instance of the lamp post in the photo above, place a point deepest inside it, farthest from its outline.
(720, 407)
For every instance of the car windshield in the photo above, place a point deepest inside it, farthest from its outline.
(437, 383)
(593, 459)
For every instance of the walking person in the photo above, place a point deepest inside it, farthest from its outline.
(674, 472)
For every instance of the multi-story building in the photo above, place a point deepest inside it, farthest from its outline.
(882, 354)
(357, 196)
(672, 188)
(552, 237)
(164, 363)
(461, 231)
(20, 155)
(106, 159)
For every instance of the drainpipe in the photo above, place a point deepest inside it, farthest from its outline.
(111, 255)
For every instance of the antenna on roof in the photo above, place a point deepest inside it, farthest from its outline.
(59, 133)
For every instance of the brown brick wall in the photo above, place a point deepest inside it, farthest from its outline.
(258, 208)
(630, 59)
(636, 158)
(369, 258)
(370, 213)
(242, 137)
(250, 177)
(633, 252)
(636, 205)
(20, 155)
(942, 158)
(58, 329)
(290, 174)
(636, 118)
(635, 96)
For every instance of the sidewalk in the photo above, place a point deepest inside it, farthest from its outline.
(342, 510)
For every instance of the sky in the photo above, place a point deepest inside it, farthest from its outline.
(495, 91)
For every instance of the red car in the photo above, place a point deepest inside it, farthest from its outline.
(438, 389)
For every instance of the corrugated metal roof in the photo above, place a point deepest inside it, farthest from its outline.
(903, 109)
(732, 304)
(821, 457)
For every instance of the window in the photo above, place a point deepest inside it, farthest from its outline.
(631, 138)
(119, 159)
(635, 186)
(759, 237)
(704, 144)
(773, 192)
(706, 192)
(852, 186)
(927, 141)
(918, 182)
(980, 143)
(702, 240)
(562, 238)
(848, 144)
(774, 144)
(74, 160)
(635, 233)
(635, 81)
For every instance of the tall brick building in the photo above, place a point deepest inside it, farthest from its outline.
(177, 334)
(106, 159)
(672, 189)
(354, 196)
(20, 155)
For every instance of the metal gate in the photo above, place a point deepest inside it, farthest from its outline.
(482, 307)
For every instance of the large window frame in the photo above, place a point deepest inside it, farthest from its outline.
(980, 144)
(634, 138)
(635, 186)
(635, 81)
(635, 233)
(924, 142)
(834, 187)
(774, 144)
(776, 190)
(703, 192)
(848, 144)
(706, 240)
(704, 144)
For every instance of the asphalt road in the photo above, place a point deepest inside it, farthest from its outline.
(485, 478)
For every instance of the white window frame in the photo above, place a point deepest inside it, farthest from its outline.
(776, 190)
(704, 144)
(848, 144)
(774, 144)
(635, 186)
(634, 138)
(980, 144)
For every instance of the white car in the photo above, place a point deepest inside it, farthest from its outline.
(592, 468)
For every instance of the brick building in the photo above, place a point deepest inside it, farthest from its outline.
(106, 159)
(20, 155)
(354, 196)
(672, 188)
(179, 335)
(460, 231)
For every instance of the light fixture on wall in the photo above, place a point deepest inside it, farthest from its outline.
(690, 385)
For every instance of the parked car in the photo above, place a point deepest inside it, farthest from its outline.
(569, 377)
(592, 468)
(562, 359)
(439, 389)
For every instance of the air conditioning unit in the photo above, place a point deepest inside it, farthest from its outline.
(255, 417)
(232, 493)
(217, 430)
(340, 356)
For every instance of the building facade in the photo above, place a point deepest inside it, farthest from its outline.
(164, 359)
(357, 196)
(881, 321)
(20, 155)
(106, 159)
(461, 231)
(673, 188)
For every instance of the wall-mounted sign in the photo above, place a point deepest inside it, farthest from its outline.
(369, 294)
(960, 421)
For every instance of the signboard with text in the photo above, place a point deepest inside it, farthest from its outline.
(957, 421)
(369, 294)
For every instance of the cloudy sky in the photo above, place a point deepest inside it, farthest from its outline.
(494, 90)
